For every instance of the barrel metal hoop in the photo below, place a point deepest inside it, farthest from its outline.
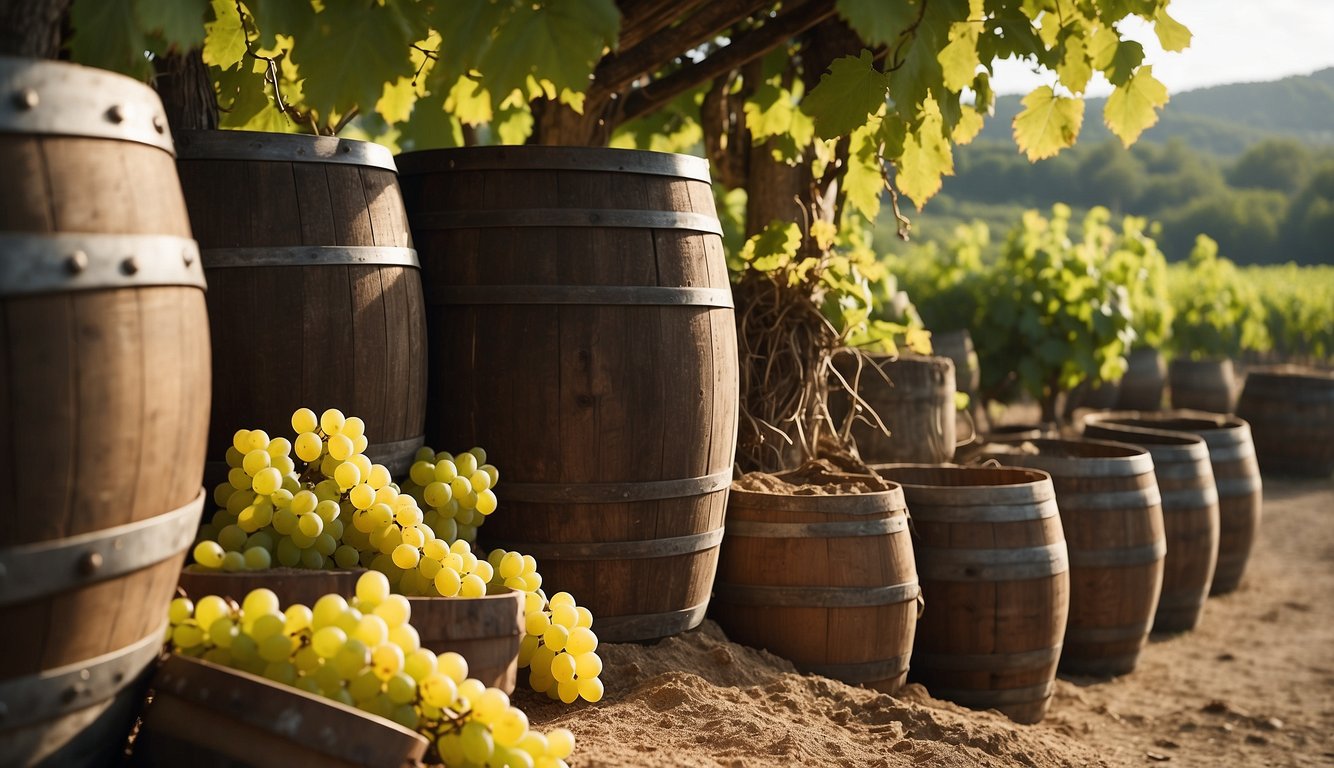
(1139, 498)
(1176, 469)
(604, 218)
(1182, 600)
(987, 662)
(396, 456)
(973, 697)
(311, 256)
(1190, 498)
(842, 529)
(848, 504)
(993, 564)
(603, 295)
(817, 597)
(1107, 634)
(282, 148)
(620, 629)
(993, 513)
(501, 158)
(1102, 467)
(30, 571)
(860, 672)
(63, 262)
(52, 692)
(639, 549)
(1243, 485)
(1231, 451)
(1119, 557)
(61, 99)
(613, 493)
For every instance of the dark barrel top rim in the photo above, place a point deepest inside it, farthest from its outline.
(281, 147)
(541, 158)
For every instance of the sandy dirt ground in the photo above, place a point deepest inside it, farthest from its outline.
(1252, 685)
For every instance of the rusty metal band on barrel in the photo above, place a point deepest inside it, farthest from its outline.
(31, 571)
(605, 218)
(281, 148)
(1017, 564)
(550, 158)
(616, 629)
(311, 256)
(1120, 556)
(64, 262)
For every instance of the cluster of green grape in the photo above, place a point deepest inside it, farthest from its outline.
(365, 653)
(455, 489)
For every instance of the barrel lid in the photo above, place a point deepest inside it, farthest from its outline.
(58, 98)
(281, 147)
(1084, 457)
(543, 158)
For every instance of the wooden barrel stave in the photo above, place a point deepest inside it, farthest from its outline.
(916, 403)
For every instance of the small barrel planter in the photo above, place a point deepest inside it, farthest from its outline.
(1291, 413)
(913, 395)
(209, 716)
(826, 581)
(314, 289)
(104, 408)
(1190, 517)
(1236, 476)
(1112, 515)
(958, 347)
(1145, 382)
(484, 630)
(581, 330)
(992, 561)
(1202, 385)
(291, 585)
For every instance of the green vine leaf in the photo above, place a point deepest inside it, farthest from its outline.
(352, 50)
(107, 36)
(180, 23)
(224, 39)
(1047, 124)
(846, 96)
(1133, 107)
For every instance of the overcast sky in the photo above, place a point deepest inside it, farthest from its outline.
(1234, 41)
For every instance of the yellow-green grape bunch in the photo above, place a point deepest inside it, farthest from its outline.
(365, 653)
(457, 490)
(559, 646)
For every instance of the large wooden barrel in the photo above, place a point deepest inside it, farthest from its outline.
(1236, 476)
(206, 716)
(104, 390)
(1291, 413)
(913, 395)
(484, 630)
(581, 330)
(1112, 515)
(314, 289)
(991, 557)
(1190, 518)
(1202, 385)
(1145, 381)
(828, 582)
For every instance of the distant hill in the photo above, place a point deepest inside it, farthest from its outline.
(1222, 120)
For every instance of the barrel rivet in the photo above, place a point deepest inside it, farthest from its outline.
(26, 99)
(188, 258)
(130, 265)
(159, 124)
(90, 563)
(76, 262)
(116, 114)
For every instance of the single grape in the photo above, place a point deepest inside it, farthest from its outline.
(347, 474)
(395, 610)
(233, 562)
(188, 635)
(447, 582)
(405, 636)
(332, 421)
(563, 667)
(472, 586)
(466, 464)
(387, 660)
(209, 554)
(312, 559)
(327, 610)
(365, 686)
(341, 447)
(445, 470)
(590, 689)
(372, 631)
(419, 664)
(352, 658)
(256, 460)
(477, 743)
(311, 525)
(453, 666)
(304, 420)
(287, 552)
(180, 609)
(257, 559)
(241, 440)
(509, 726)
(587, 665)
(267, 481)
(581, 640)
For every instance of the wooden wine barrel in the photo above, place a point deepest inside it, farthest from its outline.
(1190, 517)
(1202, 385)
(958, 347)
(484, 630)
(1236, 476)
(827, 582)
(291, 585)
(1291, 413)
(1112, 515)
(994, 570)
(314, 288)
(582, 331)
(1091, 395)
(1145, 381)
(207, 716)
(912, 394)
(103, 404)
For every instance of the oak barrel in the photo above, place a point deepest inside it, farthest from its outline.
(484, 630)
(1112, 515)
(826, 581)
(208, 716)
(1236, 476)
(913, 395)
(1291, 413)
(314, 288)
(1202, 385)
(581, 330)
(1190, 517)
(1145, 382)
(991, 557)
(291, 585)
(104, 390)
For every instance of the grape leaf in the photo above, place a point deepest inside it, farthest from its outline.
(769, 111)
(774, 247)
(850, 92)
(430, 126)
(107, 36)
(469, 102)
(1132, 107)
(180, 22)
(1048, 123)
(969, 125)
(1075, 69)
(281, 17)
(1172, 34)
(515, 124)
(350, 52)
(395, 104)
(1116, 58)
(926, 157)
(918, 68)
(224, 39)
(863, 180)
(878, 22)
(559, 41)
(958, 60)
